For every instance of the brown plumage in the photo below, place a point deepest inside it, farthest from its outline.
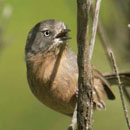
(52, 70)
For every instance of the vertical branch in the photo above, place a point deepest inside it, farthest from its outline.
(85, 101)
(85, 51)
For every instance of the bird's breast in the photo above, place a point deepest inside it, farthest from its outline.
(52, 82)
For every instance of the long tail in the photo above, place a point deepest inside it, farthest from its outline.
(125, 79)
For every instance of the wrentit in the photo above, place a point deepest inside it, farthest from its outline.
(52, 70)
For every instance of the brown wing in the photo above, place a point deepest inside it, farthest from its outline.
(102, 89)
(105, 83)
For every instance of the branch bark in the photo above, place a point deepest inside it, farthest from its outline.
(85, 51)
(85, 100)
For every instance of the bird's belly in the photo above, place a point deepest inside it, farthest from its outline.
(57, 99)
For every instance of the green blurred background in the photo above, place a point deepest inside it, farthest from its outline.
(19, 109)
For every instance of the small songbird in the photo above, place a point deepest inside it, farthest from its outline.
(52, 70)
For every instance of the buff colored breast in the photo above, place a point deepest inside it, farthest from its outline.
(53, 85)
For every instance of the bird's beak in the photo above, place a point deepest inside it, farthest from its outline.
(63, 35)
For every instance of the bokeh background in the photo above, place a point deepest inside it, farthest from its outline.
(19, 109)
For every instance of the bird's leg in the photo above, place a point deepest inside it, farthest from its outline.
(77, 92)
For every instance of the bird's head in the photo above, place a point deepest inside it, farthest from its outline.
(45, 36)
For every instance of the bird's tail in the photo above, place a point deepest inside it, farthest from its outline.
(125, 79)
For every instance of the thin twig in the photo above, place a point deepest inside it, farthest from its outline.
(74, 119)
(120, 89)
(94, 27)
(102, 36)
(93, 36)
(105, 44)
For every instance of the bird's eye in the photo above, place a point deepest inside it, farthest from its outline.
(46, 33)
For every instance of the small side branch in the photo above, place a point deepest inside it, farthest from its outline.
(120, 89)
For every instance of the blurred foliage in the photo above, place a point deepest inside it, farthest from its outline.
(19, 109)
(118, 31)
(5, 13)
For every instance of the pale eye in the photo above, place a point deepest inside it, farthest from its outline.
(46, 33)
